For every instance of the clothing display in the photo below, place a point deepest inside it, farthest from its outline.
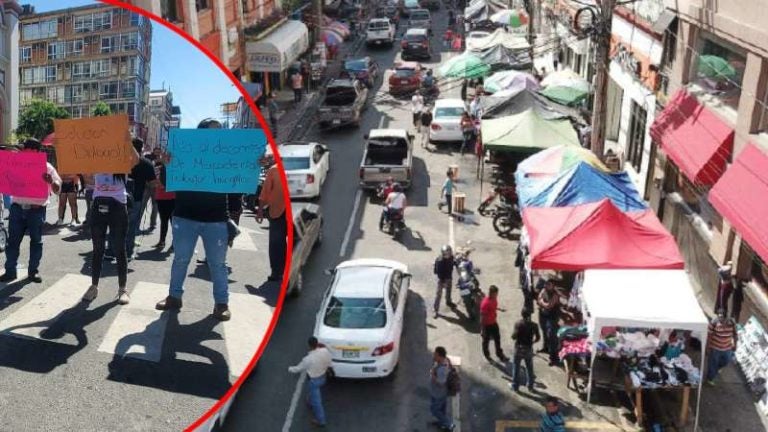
(653, 372)
(574, 299)
(752, 356)
(579, 347)
(628, 344)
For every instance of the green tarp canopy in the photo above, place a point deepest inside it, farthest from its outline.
(526, 131)
(568, 96)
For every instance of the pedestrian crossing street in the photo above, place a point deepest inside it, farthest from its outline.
(137, 330)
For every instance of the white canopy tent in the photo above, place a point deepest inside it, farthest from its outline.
(642, 298)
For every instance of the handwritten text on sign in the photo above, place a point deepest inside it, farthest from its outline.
(215, 160)
(93, 145)
(21, 174)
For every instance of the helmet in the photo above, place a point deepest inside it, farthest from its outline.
(446, 249)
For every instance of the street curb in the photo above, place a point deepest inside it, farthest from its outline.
(298, 132)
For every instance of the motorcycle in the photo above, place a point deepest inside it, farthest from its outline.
(383, 190)
(467, 284)
(394, 223)
(507, 194)
(430, 93)
(507, 219)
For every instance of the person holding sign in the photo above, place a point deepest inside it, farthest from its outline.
(68, 194)
(200, 215)
(272, 202)
(110, 210)
(143, 176)
(28, 215)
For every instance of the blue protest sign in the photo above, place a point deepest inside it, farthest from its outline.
(215, 160)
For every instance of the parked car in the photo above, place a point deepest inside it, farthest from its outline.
(408, 6)
(388, 153)
(307, 235)
(416, 44)
(446, 120)
(306, 168)
(420, 18)
(392, 12)
(342, 104)
(432, 5)
(380, 31)
(361, 317)
(406, 78)
(365, 69)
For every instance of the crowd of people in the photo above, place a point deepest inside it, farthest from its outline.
(116, 206)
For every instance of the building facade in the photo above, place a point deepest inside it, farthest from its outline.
(219, 25)
(160, 118)
(9, 62)
(712, 130)
(81, 56)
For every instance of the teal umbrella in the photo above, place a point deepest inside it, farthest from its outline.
(716, 67)
(466, 65)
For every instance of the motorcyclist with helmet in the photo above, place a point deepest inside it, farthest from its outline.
(443, 269)
(395, 202)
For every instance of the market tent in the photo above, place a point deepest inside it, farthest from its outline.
(598, 236)
(508, 40)
(642, 298)
(584, 184)
(466, 65)
(555, 160)
(565, 95)
(500, 57)
(526, 131)
(502, 105)
(510, 80)
(477, 9)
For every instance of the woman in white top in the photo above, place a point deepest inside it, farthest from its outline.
(109, 210)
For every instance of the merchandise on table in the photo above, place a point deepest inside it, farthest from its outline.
(752, 356)
(653, 372)
(615, 344)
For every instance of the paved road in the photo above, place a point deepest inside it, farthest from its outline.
(270, 399)
(66, 365)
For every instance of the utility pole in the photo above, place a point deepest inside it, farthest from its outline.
(317, 10)
(602, 41)
(530, 8)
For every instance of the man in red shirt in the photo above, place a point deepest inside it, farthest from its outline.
(490, 328)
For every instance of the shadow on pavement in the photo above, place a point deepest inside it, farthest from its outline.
(175, 372)
(268, 290)
(418, 194)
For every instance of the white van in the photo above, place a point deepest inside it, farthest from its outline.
(380, 31)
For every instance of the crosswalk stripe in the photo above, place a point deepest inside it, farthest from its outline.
(245, 330)
(139, 329)
(41, 312)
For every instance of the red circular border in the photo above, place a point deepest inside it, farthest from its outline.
(271, 140)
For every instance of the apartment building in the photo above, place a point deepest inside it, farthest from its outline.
(160, 118)
(9, 61)
(219, 25)
(710, 176)
(78, 57)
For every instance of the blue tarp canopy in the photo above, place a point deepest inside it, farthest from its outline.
(581, 184)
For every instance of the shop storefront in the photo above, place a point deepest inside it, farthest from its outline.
(269, 58)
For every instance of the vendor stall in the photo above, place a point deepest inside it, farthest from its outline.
(645, 299)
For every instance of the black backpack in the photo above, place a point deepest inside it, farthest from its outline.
(453, 381)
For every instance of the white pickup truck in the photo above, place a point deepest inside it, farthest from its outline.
(388, 153)
(380, 31)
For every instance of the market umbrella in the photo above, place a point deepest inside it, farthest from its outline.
(510, 17)
(339, 28)
(330, 37)
(526, 132)
(565, 78)
(512, 80)
(555, 160)
(466, 65)
(565, 95)
(716, 67)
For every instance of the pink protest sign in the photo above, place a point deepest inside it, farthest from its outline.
(21, 174)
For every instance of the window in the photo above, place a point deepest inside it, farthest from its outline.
(50, 73)
(108, 44)
(637, 119)
(130, 108)
(394, 289)
(133, 66)
(83, 23)
(37, 75)
(130, 41)
(55, 94)
(669, 54)
(81, 70)
(102, 21)
(355, 313)
(295, 163)
(25, 54)
(719, 70)
(75, 47)
(102, 67)
(77, 112)
(168, 10)
(201, 5)
(73, 93)
(40, 30)
(108, 90)
(128, 89)
(25, 96)
(56, 50)
(136, 18)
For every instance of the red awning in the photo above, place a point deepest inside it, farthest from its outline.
(598, 236)
(740, 197)
(694, 138)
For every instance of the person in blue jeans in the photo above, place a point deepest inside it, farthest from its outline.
(316, 364)
(27, 215)
(200, 215)
(143, 178)
(438, 389)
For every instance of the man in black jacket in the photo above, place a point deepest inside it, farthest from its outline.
(444, 265)
(525, 334)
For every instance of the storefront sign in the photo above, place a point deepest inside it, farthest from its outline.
(266, 62)
(627, 61)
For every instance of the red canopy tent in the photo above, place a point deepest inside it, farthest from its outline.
(598, 236)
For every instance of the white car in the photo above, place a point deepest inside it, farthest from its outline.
(361, 318)
(446, 120)
(380, 30)
(306, 168)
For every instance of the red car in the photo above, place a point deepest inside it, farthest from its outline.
(406, 78)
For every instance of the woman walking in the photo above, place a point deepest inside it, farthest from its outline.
(166, 202)
(69, 186)
(467, 131)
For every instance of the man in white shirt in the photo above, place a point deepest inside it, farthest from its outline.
(417, 104)
(316, 363)
(476, 107)
(395, 201)
(28, 215)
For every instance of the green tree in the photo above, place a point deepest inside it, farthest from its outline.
(100, 109)
(36, 120)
